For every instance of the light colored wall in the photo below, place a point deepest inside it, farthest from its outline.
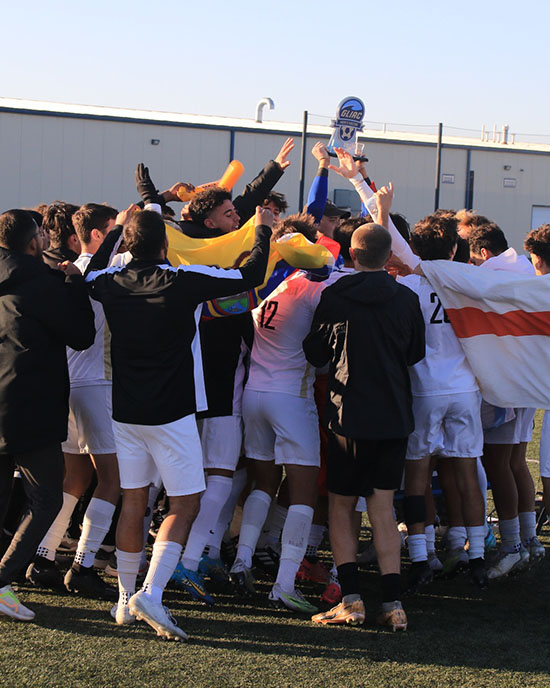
(43, 158)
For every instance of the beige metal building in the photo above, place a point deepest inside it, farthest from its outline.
(77, 153)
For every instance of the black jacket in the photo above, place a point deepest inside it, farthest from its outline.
(152, 311)
(53, 256)
(370, 329)
(41, 313)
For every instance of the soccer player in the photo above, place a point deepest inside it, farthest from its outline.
(281, 425)
(90, 444)
(152, 310)
(370, 329)
(41, 313)
(63, 242)
(505, 446)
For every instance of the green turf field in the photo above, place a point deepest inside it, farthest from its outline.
(458, 636)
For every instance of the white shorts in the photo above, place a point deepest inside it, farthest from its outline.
(448, 425)
(545, 446)
(90, 428)
(281, 427)
(221, 440)
(172, 450)
(520, 429)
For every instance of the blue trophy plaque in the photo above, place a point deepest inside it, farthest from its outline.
(348, 123)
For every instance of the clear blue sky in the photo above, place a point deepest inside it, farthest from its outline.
(465, 63)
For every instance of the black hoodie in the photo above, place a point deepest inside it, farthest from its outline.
(41, 313)
(370, 329)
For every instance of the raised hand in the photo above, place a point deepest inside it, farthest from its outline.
(384, 199)
(123, 217)
(281, 158)
(320, 153)
(348, 167)
(145, 186)
(264, 216)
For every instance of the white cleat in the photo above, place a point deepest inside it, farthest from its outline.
(506, 562)
(122, 615)
(156, 615)
(11, 606)
(536, 550)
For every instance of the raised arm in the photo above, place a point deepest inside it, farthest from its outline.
(255, 192)
(318, 192)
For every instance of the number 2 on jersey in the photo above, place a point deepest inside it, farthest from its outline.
(267, 312)
(436, 319)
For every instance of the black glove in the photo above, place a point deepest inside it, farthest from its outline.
(145, 186)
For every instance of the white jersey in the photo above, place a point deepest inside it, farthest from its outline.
(445, 369)
(509, 260)
(281, 323)
(93, 366)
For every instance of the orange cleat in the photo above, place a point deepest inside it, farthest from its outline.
(352, 613)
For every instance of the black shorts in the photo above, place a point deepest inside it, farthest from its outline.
(355, 467)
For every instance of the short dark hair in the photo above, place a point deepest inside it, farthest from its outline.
(207, 201)
(58, 222)
(343, 232)
(301, 223)
(17, 228)
(278, 199)
(435, 236)
(488, 236)
(92, 216)
(402, 225)
(538, 242)
(144, 235)
(373, 246)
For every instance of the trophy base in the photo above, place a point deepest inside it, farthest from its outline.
(357, 158)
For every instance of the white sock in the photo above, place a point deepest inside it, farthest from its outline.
(254, 514)
(482, 480)
(218, 489)
(165, 558)
(316, 533)
(417, 547)
(509, 534)
(476, 538)
(215, 536)
(273, 526)
(456, 537)
(429, 532)
(51, 541)
(334, 573)
(527, 525)
(293, 544)
(95, 526)
(127, 569)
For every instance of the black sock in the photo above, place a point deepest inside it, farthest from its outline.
(391, 587)
(348, 577)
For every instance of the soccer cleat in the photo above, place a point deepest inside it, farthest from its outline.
(420, 573)
(293, 600)
(504, 564)
(332, 594)
(434, 562)
(213, 568)
(455, 563)
(396, 619)
(368, 555)
(536, 549)
(313, 573)
(228, 550)
(352, 613)
(156, 615)
(87, 582)
(122, 615)
(192, 582)
(10, 605)
(266, 560)
(478, 574)
(45, 574)
(241, 578)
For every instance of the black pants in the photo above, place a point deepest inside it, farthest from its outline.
(42, 474)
